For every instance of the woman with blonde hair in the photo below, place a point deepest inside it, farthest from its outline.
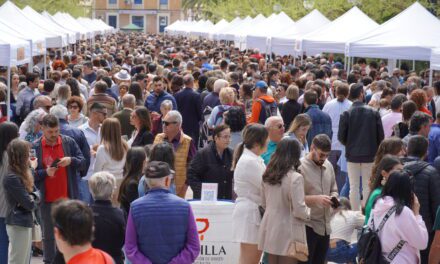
(22, 202)
(63, 95)
(227, 99)
(111, 154)
(298, 130)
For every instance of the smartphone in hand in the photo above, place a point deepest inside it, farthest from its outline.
(335, 202)
(55, 163)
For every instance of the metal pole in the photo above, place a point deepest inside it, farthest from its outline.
(8, 101)
(430, 76)
(45, 66)
(414, 65)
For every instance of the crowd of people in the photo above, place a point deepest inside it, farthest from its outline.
(98, 159)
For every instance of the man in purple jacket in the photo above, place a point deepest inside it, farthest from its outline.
(160, 226)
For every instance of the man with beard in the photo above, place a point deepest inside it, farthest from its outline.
(320, 194)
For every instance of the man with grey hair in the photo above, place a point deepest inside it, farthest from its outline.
(60, 112)
(165, 233)
(128, 104)
(275, 127)
(189, 105)
(183, 145)
(109, 232)
(42, 101)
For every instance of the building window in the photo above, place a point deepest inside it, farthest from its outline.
(138, 21)
(138, 2)
(112, 2)
(113, 21)
(163, 4)
(163, 23)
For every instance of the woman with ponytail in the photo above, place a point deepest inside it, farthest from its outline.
(248, 171)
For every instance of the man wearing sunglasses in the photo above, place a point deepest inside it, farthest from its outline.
(275, 127)
(183, 145)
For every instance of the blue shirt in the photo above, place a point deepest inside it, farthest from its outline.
(434, 143)
(321, 123)
(153, 101)
(271, 147)
(24, 99)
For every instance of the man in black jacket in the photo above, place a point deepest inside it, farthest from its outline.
(189, 105)
(360, 131)
(426, 184)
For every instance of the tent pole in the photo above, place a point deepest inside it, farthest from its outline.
(414, 65)
(8, 101)
(45, 66)
(430, 76)
(345, 62)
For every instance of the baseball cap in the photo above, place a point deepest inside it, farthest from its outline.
(157, 169)
(260, 84)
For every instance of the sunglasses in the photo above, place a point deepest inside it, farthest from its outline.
(166, 123)
(279, 126)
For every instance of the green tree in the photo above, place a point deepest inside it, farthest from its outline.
(378, 10)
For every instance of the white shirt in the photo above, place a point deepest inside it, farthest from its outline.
(344, 223)
(388, 121)
(104, 162)
(93, 138)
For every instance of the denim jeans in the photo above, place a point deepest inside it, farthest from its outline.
(4, 242)
(345, 190)
(84, 192)
(343, 253)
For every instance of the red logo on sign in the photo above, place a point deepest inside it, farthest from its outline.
(205, 228)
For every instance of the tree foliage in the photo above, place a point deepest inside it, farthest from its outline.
(73, 7)
(378, 10)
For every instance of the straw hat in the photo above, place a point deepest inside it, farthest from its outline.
(122, 75)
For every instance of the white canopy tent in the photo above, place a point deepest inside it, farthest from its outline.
(108, 28)
(243, 32)
(88, 23)
(185, 27)
(219, 35)
(435, 59)
(73, 25)
(201, 29)
(234, 33)
(285, 42)
(13, 51)
(259, 36)
(204, 32)
(20, 22)
(49, 25)
(36, 41)
(219, 27)
(74, 21)
(396, 38)
(333, 36)
(79, 34)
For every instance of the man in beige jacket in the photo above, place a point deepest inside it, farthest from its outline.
(319, 187)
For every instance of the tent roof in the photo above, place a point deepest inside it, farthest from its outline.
(13, 50)
(243, 27)
(333, 36)
(310, 22)
(43, 22)
(14, 16)
(272, 26)
(395, 38)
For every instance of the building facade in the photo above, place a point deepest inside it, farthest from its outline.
(151, 15)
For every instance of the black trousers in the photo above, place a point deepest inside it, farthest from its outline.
(318, 246)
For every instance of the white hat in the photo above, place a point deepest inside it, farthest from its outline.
(122, 75)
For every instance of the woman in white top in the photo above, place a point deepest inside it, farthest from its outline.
(343, 224)
(298, 130)
(248, 171)
(111, 154)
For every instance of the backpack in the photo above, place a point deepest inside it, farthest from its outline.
(267, 110)
(205, 133)
(221, 110)
(369, 245)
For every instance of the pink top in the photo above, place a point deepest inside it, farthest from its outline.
(405, 226)
(388, 121)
